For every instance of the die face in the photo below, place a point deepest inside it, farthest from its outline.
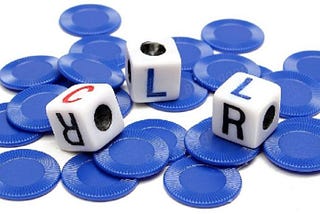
(85, 117)
(246, 109)
(153, 70)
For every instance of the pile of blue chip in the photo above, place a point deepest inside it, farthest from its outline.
(200, 169)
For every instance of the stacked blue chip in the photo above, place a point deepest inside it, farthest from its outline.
(233, 36)
(29, 71)
(172, 133)
(212, 71)
(295, 145)
(106, 48)
(11, 136)
(191, 50)
(85, 180)
(206, 147)
(306, 99)
(90, 19)
(305, 62)
(27, 110)
(149, 154)
(81, 68)
(199, 185)
(27, 174)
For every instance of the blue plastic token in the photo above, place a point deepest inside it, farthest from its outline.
(203, 145)
(300, 95)
(199, 185)
(295, 146)
(81, 68)
(306, 62)
(233, 36)
(29, 71)
(85, 180)
(191, 96)
(90, 19)
(133, 154)
(106, 48)
(264, 71)
(124, 101)
(27, 174)
(27, 110)
(172, 133)
(212, 71)
(12, 137)
(191, 50)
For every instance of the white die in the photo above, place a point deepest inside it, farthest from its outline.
(85, 117)
(153, 70)
(246, 109)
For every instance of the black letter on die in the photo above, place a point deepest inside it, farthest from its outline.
(226, 120)
(73, 127)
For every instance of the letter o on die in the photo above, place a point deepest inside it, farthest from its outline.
(85, 117)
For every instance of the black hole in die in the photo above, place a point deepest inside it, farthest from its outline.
(103, 117)
(129, 70)
(268, 117)
(152, 48)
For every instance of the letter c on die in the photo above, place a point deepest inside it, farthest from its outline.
(68, 98)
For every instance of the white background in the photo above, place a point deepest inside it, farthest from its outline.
(31, 28)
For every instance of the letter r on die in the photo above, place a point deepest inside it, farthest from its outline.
(246, 109)
(85, 117)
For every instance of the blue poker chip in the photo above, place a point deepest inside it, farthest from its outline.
(124, 101)
(306, 62)
(133, 154)
(81, 68)
(27, 174)
(29, 71)
(295, 146)
(264, 71)
(199, 185)
(191, 96)
(306, 91)
(191, 50)
(12, 137)
(85, 180)
(106, 48)
(90, 19)
(27, 110)
(172, 133)
(203, 145)
(212, 71)
(233, 36)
